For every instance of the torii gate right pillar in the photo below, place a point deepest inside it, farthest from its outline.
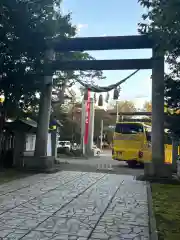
(157, 111)
(158, 167)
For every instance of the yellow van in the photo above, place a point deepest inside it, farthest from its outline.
(132, 143)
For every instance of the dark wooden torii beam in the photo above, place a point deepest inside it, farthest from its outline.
(134, 113)
(123, 64)
(102, 43)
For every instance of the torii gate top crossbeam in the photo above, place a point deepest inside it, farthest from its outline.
(103, 43)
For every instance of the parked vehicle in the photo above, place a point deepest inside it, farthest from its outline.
(75, 146)
(96, 150)
(64, 145)
(132, 143)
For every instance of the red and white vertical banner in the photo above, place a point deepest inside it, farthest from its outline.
(87, 118)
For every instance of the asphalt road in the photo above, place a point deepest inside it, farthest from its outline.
(104, 163)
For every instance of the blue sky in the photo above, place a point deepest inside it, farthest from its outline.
(111, 18)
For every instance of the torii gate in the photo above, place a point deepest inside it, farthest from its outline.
(156, 63)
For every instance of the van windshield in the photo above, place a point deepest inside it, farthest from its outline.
(128, 128)
(167, 138)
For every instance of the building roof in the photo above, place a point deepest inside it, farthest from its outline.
(29, 122)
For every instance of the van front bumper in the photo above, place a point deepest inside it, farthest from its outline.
(125, 156)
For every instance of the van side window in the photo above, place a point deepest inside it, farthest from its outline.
(167, 139)
(148, 136)
(128, 128)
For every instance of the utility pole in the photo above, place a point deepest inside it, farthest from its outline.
(117, 111)
(44, 111)
(118, 118)
(101, 136)
(73, 112)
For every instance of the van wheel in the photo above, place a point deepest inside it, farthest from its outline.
(98, 153)
(141, 165)
(132, 164)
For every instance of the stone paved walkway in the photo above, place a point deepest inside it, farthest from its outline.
(74, 206)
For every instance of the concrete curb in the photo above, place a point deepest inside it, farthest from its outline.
(152, 221)
(78, 158)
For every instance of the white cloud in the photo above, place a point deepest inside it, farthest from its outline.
(142, 96)
(80, 26)
(139, 102)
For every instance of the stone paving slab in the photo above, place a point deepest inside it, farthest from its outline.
(76, 206)
(24, 182)
(80, 216)
(127, 215)
(36, 179)
(20, 196)
(20, 183)
(28, 216)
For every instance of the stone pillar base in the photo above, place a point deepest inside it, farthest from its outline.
(90, 153)
(158, 170)
(38, 164)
